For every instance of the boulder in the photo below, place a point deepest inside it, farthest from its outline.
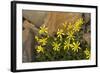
(54, 20)
(28, 35)
(35, 17)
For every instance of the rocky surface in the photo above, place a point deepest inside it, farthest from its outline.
(35, 17)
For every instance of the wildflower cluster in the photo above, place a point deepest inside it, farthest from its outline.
(42, 41)
(64, 46)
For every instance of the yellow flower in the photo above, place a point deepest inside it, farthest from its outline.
(43, 41)
(87, 53)
(70, 32)
(56, 46)
(66, 45)
(70, 27)
(37, 38)
(60, 33)
(40, 49)
(43, 30)
(78, 24)
(70, 35)
(75, 46)
(64, 25)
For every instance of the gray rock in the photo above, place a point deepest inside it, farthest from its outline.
(35, 17)
(28, 41)
(87, 17)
